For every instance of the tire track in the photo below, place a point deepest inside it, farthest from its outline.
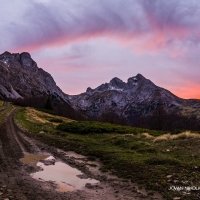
(9, 160)
(15, 180)
(14, 175)
(25, 145)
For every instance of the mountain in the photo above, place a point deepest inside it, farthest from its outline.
(138, 97)
(21, 78)
(22, 82)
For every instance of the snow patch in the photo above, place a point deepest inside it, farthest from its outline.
(6, 62)
(175, 103)
(114, 88)
(14, 93)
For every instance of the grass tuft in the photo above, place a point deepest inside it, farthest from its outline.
(183, 135)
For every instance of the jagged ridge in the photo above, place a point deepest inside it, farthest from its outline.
(21, 78)
(138, 97)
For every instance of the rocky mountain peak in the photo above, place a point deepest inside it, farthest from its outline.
(115, 80)
(6, 53)
(27, 62)
(140, 81)
(132, 81)
(139, 96)
(25, 58)
(5, 56)
(140, 77)
(16, 60)
(117, 83)
(89, 90)
(21, 77)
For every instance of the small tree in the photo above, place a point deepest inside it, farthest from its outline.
(48, 105)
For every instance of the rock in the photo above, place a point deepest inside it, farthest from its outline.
(89, 90)
(168, 176)
(48, 162)
(82, 176)
(89, 186)
(117, 83)
(26, 60)
(41, 132)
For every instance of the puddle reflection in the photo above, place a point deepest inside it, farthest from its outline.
(63, 175)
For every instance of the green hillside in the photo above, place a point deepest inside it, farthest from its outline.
(155, 160)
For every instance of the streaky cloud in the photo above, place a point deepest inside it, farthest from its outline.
(59, 22)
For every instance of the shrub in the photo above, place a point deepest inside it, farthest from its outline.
(56, 120)
(46, 111)
(162, 161)
(85, 127)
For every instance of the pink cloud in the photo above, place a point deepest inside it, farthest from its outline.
(189, 92)
(165, 21)
(146, 26)
(186, 86)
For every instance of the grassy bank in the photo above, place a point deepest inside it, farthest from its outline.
(4, 110)
(1, 103)
(154, 160)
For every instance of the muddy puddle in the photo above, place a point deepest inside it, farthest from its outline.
(33, 159)
(66, 177)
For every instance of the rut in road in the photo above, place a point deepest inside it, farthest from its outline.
(13, 174)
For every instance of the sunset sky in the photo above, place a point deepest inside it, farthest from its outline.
(84, 43)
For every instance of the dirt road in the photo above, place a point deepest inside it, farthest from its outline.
(16, 182)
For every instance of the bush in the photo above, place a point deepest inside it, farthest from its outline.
(46, 111)
(162, 161)
(56, 120)
(85, 127)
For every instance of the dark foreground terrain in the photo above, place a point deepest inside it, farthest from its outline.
(147, 162)
(17, 184)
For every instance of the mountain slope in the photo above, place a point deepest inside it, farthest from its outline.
(138, 97)
(22, 82)
(21, 78)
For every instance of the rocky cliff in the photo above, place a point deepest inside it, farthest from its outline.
(137, 97)
(21, 78)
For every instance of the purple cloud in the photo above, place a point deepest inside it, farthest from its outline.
(59, 22)
(154, 33)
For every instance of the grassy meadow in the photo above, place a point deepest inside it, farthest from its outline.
(154, 160)
(4, 110)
